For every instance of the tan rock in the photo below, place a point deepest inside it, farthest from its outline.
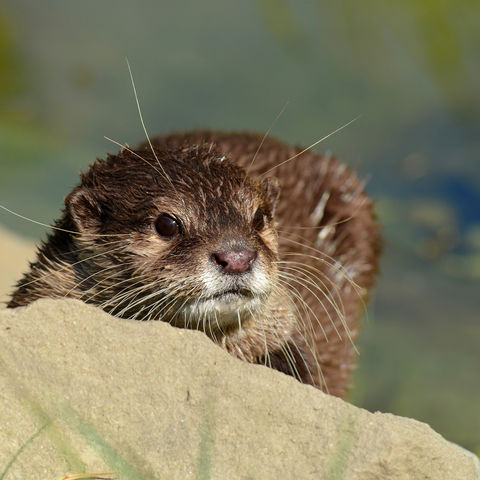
(81, 391)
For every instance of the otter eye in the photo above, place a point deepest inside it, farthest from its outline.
(166, 226)
(259, 220)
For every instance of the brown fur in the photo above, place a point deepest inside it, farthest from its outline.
(325, 222)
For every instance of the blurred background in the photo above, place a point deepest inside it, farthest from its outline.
(410, 68)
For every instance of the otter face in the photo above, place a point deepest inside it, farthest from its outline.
(199, 245)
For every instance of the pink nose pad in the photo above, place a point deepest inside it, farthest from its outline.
(235, 261)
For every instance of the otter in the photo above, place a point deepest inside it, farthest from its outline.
(270, 250)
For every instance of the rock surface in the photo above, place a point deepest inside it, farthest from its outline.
(81, 391)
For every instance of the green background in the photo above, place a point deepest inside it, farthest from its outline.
(410, 68)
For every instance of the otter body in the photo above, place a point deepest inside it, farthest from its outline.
(206, 230)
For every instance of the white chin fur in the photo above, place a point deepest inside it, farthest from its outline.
(214, 282)
(220, 313)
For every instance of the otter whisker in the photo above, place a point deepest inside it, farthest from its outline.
(91, 276)
(170, 299)
(187, 295)
(294, 296)
(334, 264)
(336, 284)
(154, 309)
(294, 291)
(302, 324)
(123, 146)
(288, 354)
(143, 124)
(309, 271)
(84, 280)
(303, 330)
(120, 295)
(267, 133)
(359, 291)
(158, 296)
(53, 227)
(54, 269)
(143, 299)
(212, 331)
(285, 348)
(311, 146)
(120, 298)
(310, 344)
(340, 315)
(334, 297)
(267, 360)
(362, 204)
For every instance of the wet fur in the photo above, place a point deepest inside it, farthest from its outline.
(328, 246)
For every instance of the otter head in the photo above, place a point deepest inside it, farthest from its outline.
(180, 235)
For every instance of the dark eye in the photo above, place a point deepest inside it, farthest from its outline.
(259, 220)
(166, 226)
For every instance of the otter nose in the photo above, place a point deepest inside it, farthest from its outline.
(235, 261)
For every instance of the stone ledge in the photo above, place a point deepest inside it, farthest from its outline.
(82, 391)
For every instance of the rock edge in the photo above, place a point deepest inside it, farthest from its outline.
(82, 391)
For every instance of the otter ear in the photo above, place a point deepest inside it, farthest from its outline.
(84, 210)
(271, 187)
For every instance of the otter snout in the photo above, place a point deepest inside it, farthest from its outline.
(235, 261)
